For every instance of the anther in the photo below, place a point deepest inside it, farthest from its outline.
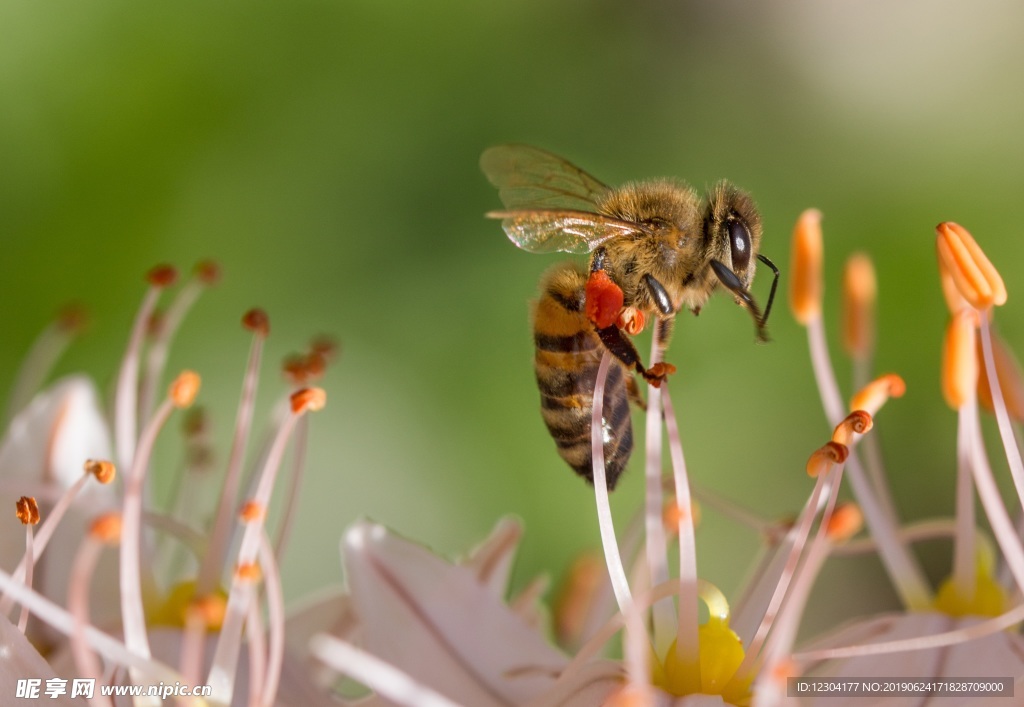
(857, 422)
(106, 528)
(960, 359)
(251, 511)
(308, 399)
(257, 321)
(211, 608)
(325, 346)
(248, 572)
(1011, 379)
(184, 389)
(805, 290)
(295, 369)
(825, 457)
(162, 276)
(27, 510)
(975, 277)
(873, 396)
(73, 318)
(859, 292)
(207, 272)
(196, 422)
(103, 470)
(846, 521)
(673, 514)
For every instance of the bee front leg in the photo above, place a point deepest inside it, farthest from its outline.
(622, 348)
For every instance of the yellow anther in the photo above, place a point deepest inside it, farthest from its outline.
(805, 290)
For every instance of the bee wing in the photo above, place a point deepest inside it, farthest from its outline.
(530, 178)
(565, 230)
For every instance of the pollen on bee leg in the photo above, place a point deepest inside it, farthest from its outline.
(604, 299)
(976, 279)
(874, 395)
(857, 422)
(805, 290)
(632, 321)
(846, 521)
(27, 510)
(960, 359)
(103, 470)
(825, 457)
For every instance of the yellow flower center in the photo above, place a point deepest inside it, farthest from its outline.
(989, 597)
(182, 598)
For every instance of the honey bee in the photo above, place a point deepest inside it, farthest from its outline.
(655, 247)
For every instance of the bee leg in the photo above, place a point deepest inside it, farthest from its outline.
(661, 299)
(622, 348)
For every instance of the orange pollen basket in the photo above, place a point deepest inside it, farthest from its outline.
(603, 299)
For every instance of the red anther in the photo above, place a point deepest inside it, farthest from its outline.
(603, 299)
(325, 346)
(257, 321)
(294, 368)
(162, 276)
(208, 272)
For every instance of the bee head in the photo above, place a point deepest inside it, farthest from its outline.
(732, 229)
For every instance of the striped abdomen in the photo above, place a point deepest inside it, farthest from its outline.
(568, 353)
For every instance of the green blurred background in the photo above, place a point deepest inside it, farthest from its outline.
(326, 154)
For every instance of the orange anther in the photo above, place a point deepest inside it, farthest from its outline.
(603, 299)
(249, 572)
(805, 289)
(673, 514)
(162, 276)
(257, 321)
(845, 522)
(308, 399)
(825, 457)
(184, 389)
(27, 510)
(975, 277)
(857, 422)
(251, 511)
(103, 470)
(211, 609)
(960, 359)
(106, 528)
(207, 272)
(873, 396)
(859, 293)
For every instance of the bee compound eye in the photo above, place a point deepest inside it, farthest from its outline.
(739, 239)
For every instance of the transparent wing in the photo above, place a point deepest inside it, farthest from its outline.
(530, 178)
(565, 230)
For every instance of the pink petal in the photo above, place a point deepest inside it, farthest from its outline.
(20, 661)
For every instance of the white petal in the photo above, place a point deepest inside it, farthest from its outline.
(436, 622)
(20, 661)
(998, 655)
(51, 438)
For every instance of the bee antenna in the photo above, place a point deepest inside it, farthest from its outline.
(775, 284)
